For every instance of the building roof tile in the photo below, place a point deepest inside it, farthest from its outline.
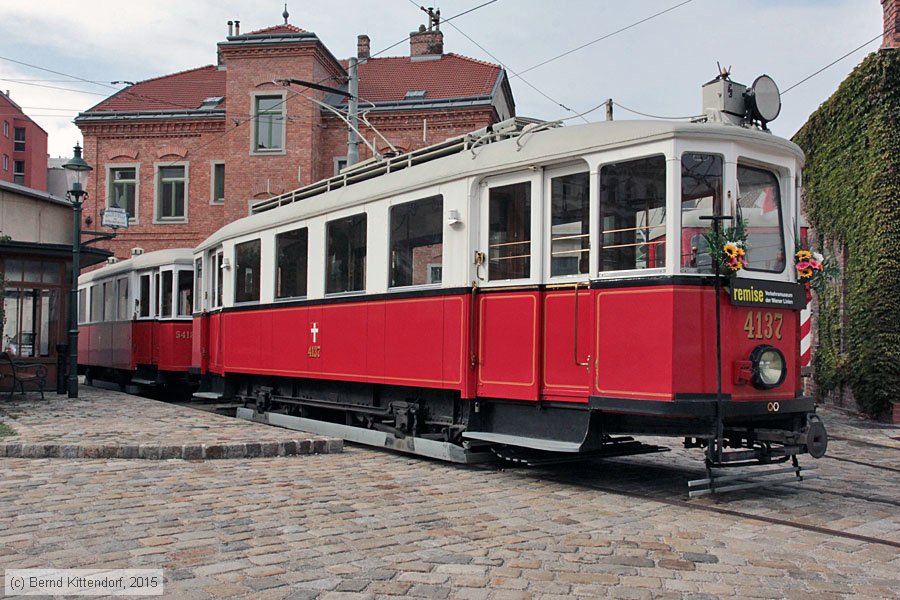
(185, 90)
(450, 76)
(276, 29)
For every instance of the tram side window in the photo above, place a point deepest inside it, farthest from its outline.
(509, 216)
(96, 312)
(759, 207)
(185, 292)
(165, 294)
(217, 278)
(198, 285)
(633, 214)
(82, 305)
(345, 264)
(122, 295)
(109, 301)
(417, 242)
(701, 195)
(570, 226)
(246, 272)
(291, 250)
(144, 300)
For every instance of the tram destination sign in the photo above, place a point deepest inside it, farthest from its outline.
(766, 294)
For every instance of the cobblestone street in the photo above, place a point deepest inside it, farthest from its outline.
(371, 524)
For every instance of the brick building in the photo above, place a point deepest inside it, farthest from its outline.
(189, 152)
(23, 147)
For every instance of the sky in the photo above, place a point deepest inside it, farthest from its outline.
(59, 57)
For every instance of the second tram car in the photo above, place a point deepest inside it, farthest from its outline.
(135, 319)
(535, 287)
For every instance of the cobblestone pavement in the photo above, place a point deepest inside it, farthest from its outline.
(372, 524)
(109, 424)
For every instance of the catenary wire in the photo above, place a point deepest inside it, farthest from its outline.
(831, 64)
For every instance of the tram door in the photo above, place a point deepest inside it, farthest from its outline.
(568, 315)
(508, 306)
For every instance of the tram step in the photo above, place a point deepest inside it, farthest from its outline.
(747, 480)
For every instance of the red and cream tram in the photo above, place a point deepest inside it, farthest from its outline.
(520, 288)
(135, 319)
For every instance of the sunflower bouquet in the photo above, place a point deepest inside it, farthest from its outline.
(728, 247)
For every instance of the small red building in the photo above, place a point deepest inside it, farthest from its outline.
(187, 153)
(23, 147)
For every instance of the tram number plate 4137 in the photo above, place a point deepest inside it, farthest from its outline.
(314, 352)
(763, 325)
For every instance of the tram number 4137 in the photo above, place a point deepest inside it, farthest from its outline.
(314, 352)
(763, 325)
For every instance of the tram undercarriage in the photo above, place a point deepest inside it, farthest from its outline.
(438, 424)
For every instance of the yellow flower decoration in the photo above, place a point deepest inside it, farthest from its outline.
(741, 252)
(731, 250)
(808, 272)
(804, 255)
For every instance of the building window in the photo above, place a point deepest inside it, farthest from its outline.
(217, 188)
(123, 189)
(570, 224)
(345, 261)
(6, 129)
(291, 250)
(19, 172)
(633, 214)
(268, 123)
(246, 271)
(509, 214)
(340, 162)
(31, 305)
(417, 241)
(171, 193)
(5, 162)
(19, 143)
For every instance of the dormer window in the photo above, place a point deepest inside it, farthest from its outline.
(211, 102)
(415, 95)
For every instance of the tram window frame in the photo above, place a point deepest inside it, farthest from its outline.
(122, 299)
(511, 210)
(292, 269)
(623, 253)
(109, 301)
(145, 300)
(198, 285)
(423, 220)
(216, 279)
(780, 253)
(560, 209)
(166, 290)
(247, 261)
(82, 305)
(184, 292)
(351, 232)
(693, 253)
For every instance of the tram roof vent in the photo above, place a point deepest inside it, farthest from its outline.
(726, 101)
(137, 251)
(111, 260)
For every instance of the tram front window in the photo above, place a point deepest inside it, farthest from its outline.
(701, 196)
(759, 207)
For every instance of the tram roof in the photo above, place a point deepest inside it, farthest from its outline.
(148, 260)
(466, 156)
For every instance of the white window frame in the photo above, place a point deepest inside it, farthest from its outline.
(6, 129)
(212, 183)
(282, 149)
(157, 219)
(137, 186)
(151, 310)
(549, 174)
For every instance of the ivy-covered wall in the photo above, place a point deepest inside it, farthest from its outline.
(852, 191)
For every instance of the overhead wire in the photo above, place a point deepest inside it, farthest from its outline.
(831, 64)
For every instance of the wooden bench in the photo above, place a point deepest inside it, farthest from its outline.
(22, 373)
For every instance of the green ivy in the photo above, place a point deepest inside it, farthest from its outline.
(852, 187)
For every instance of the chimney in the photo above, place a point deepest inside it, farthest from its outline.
(230, 28)
(362, 46)
(237, 28)
(426, 43)
(891, 24)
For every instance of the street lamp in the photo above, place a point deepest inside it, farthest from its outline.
(76, 196)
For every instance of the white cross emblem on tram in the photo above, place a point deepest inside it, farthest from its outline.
(314, 330)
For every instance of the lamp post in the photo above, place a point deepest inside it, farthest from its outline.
(76, 196)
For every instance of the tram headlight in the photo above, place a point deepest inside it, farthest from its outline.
(768, 367)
